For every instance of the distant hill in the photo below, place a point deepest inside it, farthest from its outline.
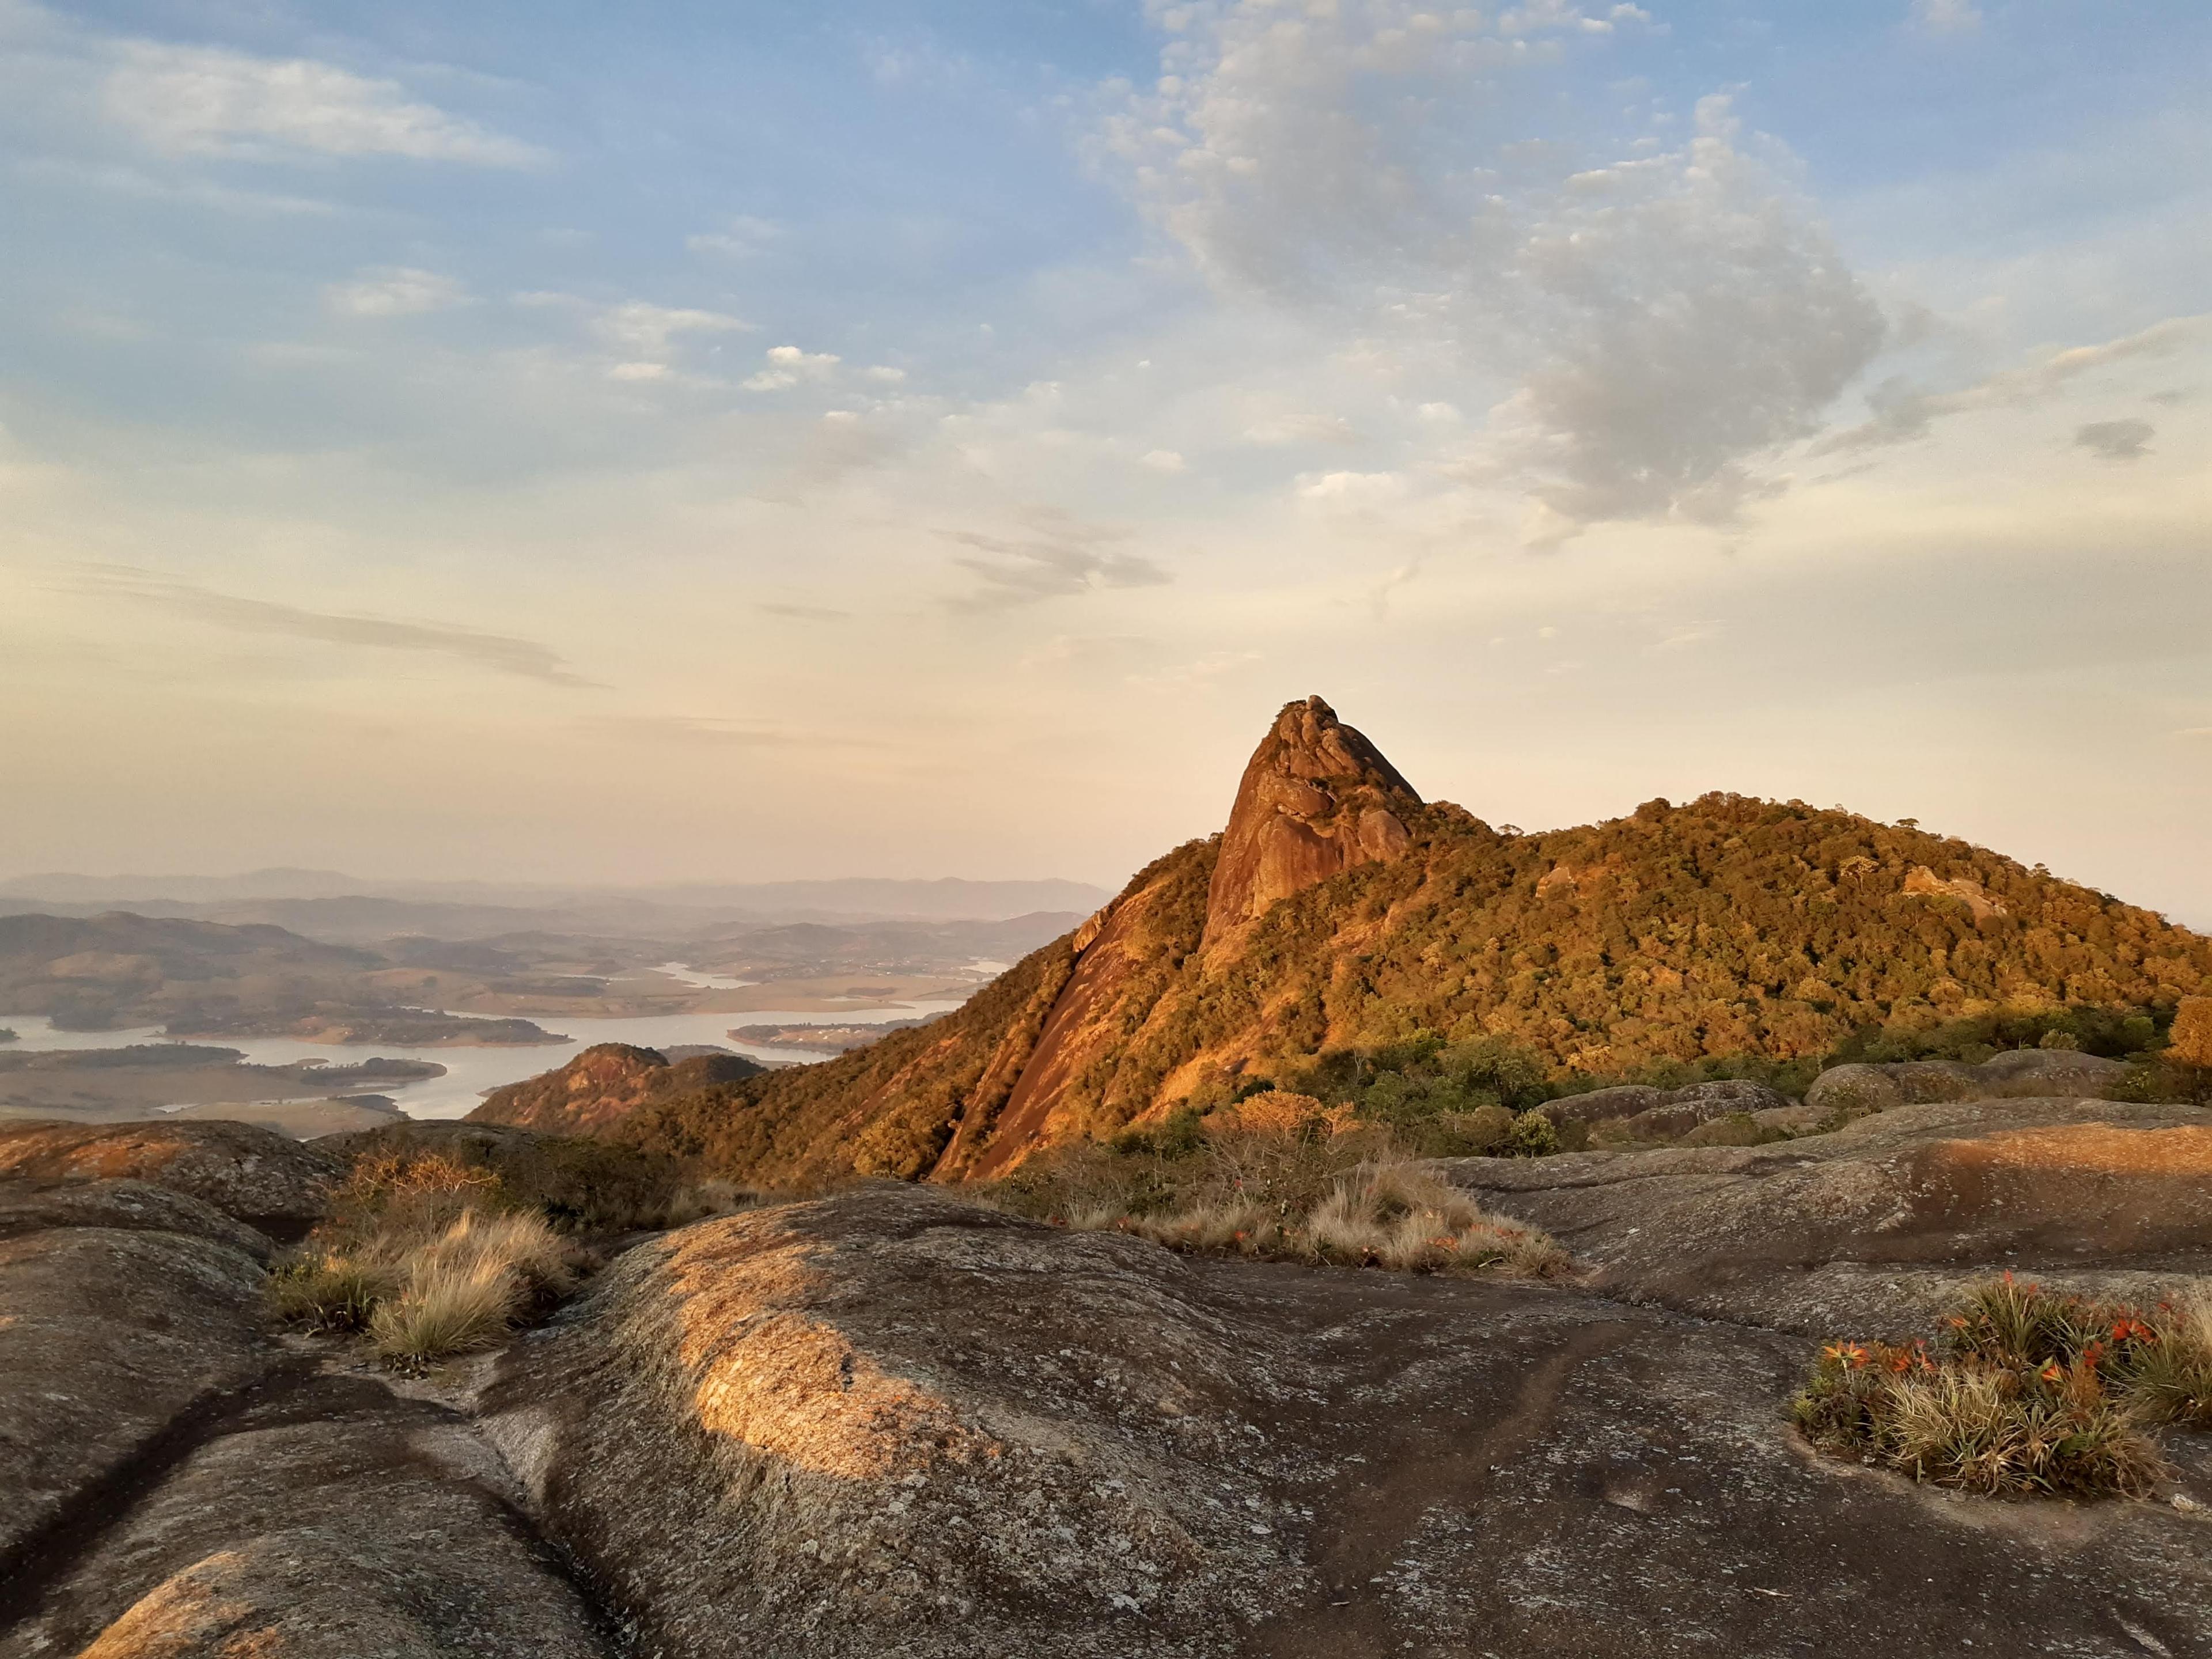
(324, 900)
(1338, 911)
(605, 1083)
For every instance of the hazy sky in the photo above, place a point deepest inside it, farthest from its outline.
(763, 439)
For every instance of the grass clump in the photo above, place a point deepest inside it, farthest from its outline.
(427, 1255)
(2024, 1393)
(1348, 1196)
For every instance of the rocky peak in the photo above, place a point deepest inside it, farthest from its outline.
(1316, 799)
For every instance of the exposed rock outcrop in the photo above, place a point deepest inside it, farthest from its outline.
(889, 1423)
(264, 1179)
(1875, 1228)
(1316, 799)
(122, 1308)
(325, 1520)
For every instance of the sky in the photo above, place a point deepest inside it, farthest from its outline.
(768, 441)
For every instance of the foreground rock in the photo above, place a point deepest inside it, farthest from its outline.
(123, 1309)
(889, 1423)
(325, 1520)
(1872, 1229)
(253, 1174)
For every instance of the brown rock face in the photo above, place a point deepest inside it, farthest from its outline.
(1316, 799)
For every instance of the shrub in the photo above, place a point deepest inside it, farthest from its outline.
(1349, 1198)
(428, 1252)
(2025, 1392)
(325, 1290)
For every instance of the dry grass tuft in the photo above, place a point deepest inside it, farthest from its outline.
(2024, 1393)
(428, 1255)
(1347, 1199)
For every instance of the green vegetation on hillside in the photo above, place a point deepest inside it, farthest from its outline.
(1728, 937)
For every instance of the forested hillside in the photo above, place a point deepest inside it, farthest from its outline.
(1729, 927)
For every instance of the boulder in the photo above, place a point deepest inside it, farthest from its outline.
(2049, 1072)
(121, 1312)
(1873, 1229)
(887, 1423)
(325, 1519)
(1679, 1111)
(263, 1178)
(1854, 1091)
(1602, 1105)
(27, 1207)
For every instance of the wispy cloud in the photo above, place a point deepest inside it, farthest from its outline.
(803, 612)
(205, 101)
(394, 291)
(714, 731)
(1945, 16)
(1061, 556)
(1904, 414)
(2116, 440)
(745, 237)
(501, 652)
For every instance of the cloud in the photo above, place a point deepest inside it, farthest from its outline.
(650, 331)
(1945, 16)
(1060, 557)
(803, 612)
(1667, 319)
(394, 291)
(204, 101)
(746, 238)
(2116, 440)
(1903, 413)
(709, 730)
(1163, 460)
(501, 652)
(788, 366)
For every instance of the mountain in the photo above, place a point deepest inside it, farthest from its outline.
(325, 902)
(1338, 912)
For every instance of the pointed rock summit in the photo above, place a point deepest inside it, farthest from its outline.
(1317, 799)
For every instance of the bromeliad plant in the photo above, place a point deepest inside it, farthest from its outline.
(2023, 1392)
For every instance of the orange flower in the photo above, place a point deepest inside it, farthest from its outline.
(2051, 1373)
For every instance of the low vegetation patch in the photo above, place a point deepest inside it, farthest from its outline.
(1340, 1193)
(439, 1243)
(2023, 1392)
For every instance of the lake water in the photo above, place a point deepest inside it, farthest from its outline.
(470, 1072)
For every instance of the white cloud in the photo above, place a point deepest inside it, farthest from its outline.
(1902, 413)
(885, 373)
(746, 238)
(788, 366)
(204, 101)
(1945, 16)
(1668, 319)
(394, 291)
(640, 370)
(649, 330)
(1164, 461)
